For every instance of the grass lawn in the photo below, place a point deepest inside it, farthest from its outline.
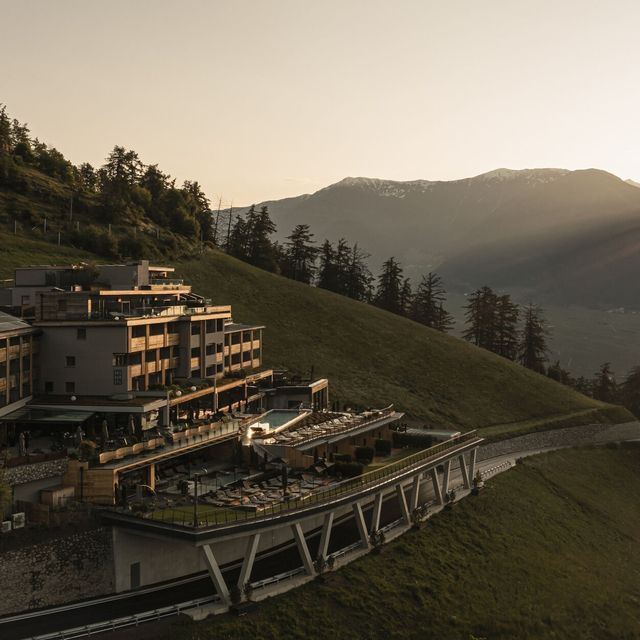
(550, 549)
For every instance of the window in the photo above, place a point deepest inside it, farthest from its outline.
(69, 387)
(70, 361)
(195, 329)
(157, 329)
(81, 334)
(119, 359)
(48, 387)
(14, 342)
(139, 331)
(117, 376)
(211, 371)
(24, 300)
(150, 356)
(195, 352)
(210, 349)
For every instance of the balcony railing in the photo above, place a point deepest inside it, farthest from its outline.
(220, 517)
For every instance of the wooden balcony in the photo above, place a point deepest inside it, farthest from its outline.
(172, 339)
(135, 370)
(137, 344)
(155, 342)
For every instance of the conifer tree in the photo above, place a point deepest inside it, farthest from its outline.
(604, 386)
(299, 255)
(428, 302)
(533, 340)
(507, 314)
(390, 285)
(480, 317)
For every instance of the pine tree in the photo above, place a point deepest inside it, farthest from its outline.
(406, 298)
(507, 314)
(299, 255)
(327, 272)
(480, 317)
(428, 301)
(445, 321)
(533, 340)
(557, 373)
(390, 284)
(604, 386)
(358, 278)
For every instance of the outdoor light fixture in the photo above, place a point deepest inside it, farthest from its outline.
(73, 398)
(193, 388)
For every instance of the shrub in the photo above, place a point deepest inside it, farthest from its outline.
(364, 454)
(383, 447)
(348, 469)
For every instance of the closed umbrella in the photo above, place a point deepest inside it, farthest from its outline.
(105, 431)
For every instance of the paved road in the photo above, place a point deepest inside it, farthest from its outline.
(271, 563)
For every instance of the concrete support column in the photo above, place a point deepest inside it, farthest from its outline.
(377, 510)
(472, 464)
(362, 527)
(303, 549)
(464, 471)
(325, 536)
(404, 509)
(249, 558)
(445, 479)
(436, 485)
(216, 574)
(415, 492)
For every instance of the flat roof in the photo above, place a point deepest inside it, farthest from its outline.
(11, 323)
(239, 326)
(35, 415)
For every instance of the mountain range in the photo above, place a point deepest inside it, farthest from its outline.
(554, 235)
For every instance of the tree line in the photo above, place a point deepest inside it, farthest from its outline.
(123, 190)
(338, 267)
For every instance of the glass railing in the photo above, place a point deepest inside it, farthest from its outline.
(205, 515)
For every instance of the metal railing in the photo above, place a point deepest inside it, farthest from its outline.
(127, 621)
(208, 516)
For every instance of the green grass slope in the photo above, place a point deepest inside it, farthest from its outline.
(371, 357)
(377, 358)
(551, 549)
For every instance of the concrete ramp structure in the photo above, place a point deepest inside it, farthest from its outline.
(297, 536)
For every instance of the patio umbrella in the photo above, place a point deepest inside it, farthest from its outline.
(22, 447)
(105, 431)
(79, 435)
(131, 426)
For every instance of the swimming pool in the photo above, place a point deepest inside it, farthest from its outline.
(273, 421)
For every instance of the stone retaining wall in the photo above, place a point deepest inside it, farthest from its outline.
(65, 569)
(568, 437)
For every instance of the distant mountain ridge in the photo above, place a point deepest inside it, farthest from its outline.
(476, 230)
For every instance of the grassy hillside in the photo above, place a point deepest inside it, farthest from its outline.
(549, 550)
(371, 357)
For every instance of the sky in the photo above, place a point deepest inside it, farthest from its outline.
(266, 99)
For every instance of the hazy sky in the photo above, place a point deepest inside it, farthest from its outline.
(261, 100)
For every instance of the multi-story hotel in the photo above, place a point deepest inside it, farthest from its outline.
(124, 352)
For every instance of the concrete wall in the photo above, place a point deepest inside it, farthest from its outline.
(93, 371)
(65, 569)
